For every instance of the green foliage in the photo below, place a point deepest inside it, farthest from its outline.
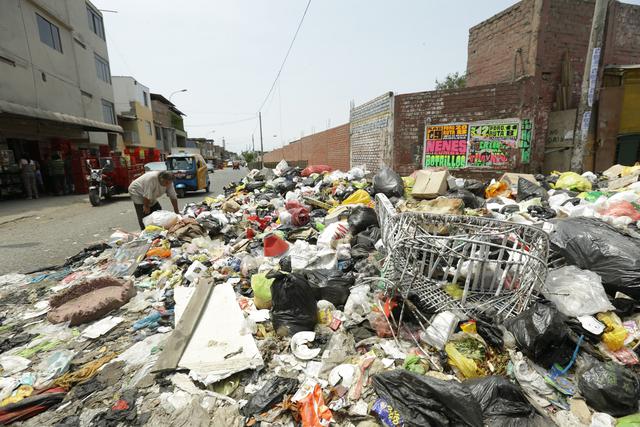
(249, 156)
(452, 81)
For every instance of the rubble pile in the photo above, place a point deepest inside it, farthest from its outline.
(316, 297)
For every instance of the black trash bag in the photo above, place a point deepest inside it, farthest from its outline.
(490, 333)
(426, 401)
(475, 186)
(318, 213)
(528, 190)
(503, 403)
(254, 185)
(541, 212)
(330, 285)
(294, 303)
(367, 238)
(211, 224)
(541, 335)
(360, 218)
(285, 263)
(625, 306)
(469, 199)
(270, 395)
(592, 244)
(359, 252)
(611, 388)
(283, 187)
(389, 183)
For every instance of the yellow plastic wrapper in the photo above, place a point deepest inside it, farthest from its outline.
(465, 365)
(153, 229)
(573, 181)
(358, 197)
(21, 392)
(261, 290)
(615, 334)
(453, 290)
(631, 170)
(469, 327)
(497, 189)
(409, 182)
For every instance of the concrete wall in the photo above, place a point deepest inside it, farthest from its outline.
(126, 90)
(623, 38)
(36, 75)
(371, 133)
(330, 147)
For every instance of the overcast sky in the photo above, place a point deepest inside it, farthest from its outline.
(226, 53)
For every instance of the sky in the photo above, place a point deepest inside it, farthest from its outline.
(226, 53)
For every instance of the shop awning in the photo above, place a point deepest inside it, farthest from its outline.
(37, 113)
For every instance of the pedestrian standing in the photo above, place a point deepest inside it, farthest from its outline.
(146, 189)
(56, 170)
(28, 174)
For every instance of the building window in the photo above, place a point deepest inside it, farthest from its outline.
(49, 33)
(95, 22)
(108, 112)
(145, 95)
(158, 133)
(102, 67)
(147, 125)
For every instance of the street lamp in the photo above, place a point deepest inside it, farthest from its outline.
(177, 91)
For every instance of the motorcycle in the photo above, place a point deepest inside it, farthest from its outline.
(100, 184)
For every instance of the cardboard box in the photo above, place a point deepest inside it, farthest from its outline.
(429, 184)
(512, 179)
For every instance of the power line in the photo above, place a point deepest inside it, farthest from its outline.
(286, 56)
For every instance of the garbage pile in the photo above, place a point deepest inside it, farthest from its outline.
(317, 297)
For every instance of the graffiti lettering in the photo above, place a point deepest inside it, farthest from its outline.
(525, 141)
(446, 146)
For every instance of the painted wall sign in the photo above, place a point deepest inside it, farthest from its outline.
(492, 144)
(446, 146)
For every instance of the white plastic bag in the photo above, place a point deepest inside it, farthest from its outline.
(576, 292)
(440, 330)
(280, 167)
(164, 219)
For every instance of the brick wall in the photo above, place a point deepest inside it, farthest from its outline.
(413, 110)
(623, 37)
(330, 147)
(371, 133)
(499, 48)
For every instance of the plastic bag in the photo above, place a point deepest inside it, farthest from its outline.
(270, 395)
(572, 181)
(294, 303)
(497, 189)
(441, 328)
(313, 411)
(611, 388)
(503, 403)
(389, 183)
(261, 286)
(330, 285)
(465, 365)
(592, 244)
(528, 190)
(621, 208)
(358, 197)
(360, 218)
(469, 199)
(163, 219)
(367, 238)
(576, 292)
(427, 401)
(315, 169)
(541, 335)
(615, 333)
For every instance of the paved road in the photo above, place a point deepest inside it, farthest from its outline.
(43, 232)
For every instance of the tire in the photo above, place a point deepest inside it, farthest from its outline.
(181, 192)
(94, 197)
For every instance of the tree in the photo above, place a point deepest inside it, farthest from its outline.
(249, 156)
(452, 81)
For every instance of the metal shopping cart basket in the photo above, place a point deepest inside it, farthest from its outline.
(466, 264)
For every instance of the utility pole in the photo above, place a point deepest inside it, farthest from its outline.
(261, 145)
(224, 148)
(584, 126)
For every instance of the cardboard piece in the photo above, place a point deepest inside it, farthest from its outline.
(512, 179)
(430, 184)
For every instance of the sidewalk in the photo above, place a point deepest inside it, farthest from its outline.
(14, 210)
